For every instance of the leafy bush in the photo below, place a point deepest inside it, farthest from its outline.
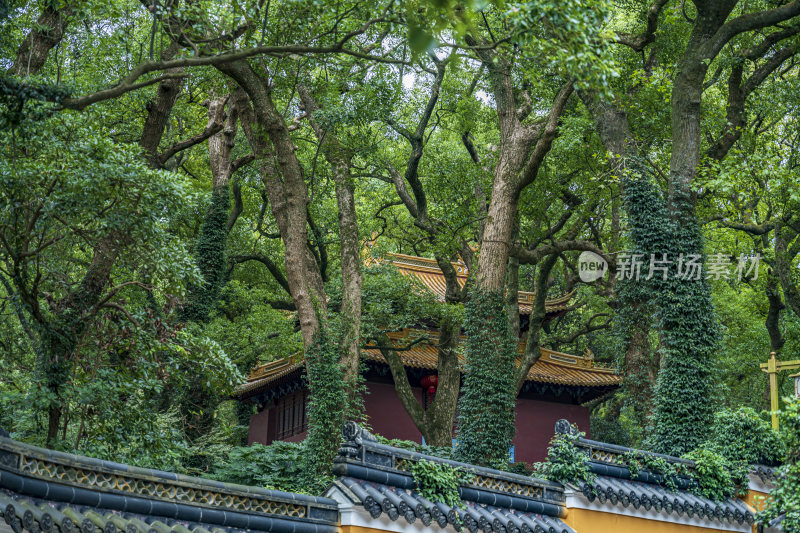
(744, 435)
(438, 482)
(277, 466)
(565, 461)
(785, 497)
(716, 478)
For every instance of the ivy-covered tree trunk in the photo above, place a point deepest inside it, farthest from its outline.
(486, 407)
(685, 389)
(523, 148)
(282, 174)
(60, 332)
(213, 239)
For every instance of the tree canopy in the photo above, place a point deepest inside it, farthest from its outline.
(192, 188)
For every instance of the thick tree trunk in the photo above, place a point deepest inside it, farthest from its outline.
(339, 158)
(640, 366)
(159, 109)
(772, 322)
(220, 145)
(537, 319)
(288, 198)
(496, 241)
(48, 32)
(70, 317)
(435, 423)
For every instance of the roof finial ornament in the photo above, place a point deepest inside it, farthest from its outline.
(563, 427)
(354, 437)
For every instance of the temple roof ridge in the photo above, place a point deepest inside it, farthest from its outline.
(552, 367)
(378, 477)
(427, 271)
(617, 487)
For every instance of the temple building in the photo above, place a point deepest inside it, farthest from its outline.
(556, 387)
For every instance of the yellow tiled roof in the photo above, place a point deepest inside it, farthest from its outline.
(552, 367)
(428, 272)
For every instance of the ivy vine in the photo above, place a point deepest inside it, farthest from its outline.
(566, 462)
(685, 390)
(438, 482)
(211, 260)
(486, 407)
(784, 500)
(327, 404)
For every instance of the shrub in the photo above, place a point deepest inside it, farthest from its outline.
(714, 474)
(743, 435)
(565, 462)
(438, 482)
(277, 466)
(784, 501)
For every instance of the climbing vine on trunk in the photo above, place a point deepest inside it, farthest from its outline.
(210, 253)
(685, 390)
(328, 405)
(486, 408)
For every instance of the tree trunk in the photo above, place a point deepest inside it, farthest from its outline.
(339, 158)
(772, 323)
(159, 109)
(48, 32)
(537, 318)
(288, 198)
(212, 241)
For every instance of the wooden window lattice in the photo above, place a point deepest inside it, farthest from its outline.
(292, 415)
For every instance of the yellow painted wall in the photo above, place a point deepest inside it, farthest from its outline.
(755, 499)
(359, 529)
(586, 521)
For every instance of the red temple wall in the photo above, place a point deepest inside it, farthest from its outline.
(535, 421)
(386, 414)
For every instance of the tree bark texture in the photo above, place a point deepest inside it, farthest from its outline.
(339, 158)
(32, 53)
(288, 196)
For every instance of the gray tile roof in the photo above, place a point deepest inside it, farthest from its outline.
(44, 490)
(627, 493)
(616, 485)
(377, 477)
(397, 503)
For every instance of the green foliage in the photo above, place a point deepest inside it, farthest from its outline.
(27, 100)
(392, 301)
(438, 482)
(210, 254)
(685, 390)
(744, 436)
(784, 500)
(277, 466)
(327, 406)
(715, 476)
(486, 407)
(565, 461)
